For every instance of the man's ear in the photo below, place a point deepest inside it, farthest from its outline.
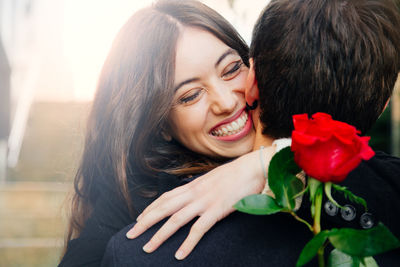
(251, 90)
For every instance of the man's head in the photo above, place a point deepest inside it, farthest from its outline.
(341, 57)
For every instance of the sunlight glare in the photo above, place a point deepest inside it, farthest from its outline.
(89, 29)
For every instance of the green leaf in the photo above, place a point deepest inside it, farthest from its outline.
(282, 178)
(311, 248)
(369, 262)
(350, 196)
(364, 243)
(341, 259)
(259, 204)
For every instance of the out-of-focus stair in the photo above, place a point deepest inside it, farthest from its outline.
(31, 223)
(32, 200)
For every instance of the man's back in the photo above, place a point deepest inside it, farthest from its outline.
(275, 240)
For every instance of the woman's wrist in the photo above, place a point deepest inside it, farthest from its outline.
(254, 168)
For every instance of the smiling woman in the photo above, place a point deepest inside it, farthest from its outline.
(169, 104)
(208, 115)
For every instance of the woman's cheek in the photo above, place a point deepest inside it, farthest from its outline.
(187, 121)
(239, 82)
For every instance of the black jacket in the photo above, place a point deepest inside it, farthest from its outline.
(109, 216)
(242, 239)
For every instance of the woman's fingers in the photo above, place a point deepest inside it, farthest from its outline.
(176, 221)
(159, 211)
(199, 228)
(162, 200)
(210, 196)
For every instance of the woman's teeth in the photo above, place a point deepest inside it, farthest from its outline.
(232, 127)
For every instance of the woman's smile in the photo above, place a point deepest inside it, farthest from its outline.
(233, 129)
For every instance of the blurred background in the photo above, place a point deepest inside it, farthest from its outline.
(51, 52)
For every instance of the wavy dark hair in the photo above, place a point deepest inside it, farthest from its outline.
(132, 102)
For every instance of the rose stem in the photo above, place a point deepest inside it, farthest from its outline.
(317, 224)
(317, 216)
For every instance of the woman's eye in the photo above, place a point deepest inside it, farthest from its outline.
(233, 69)
(190, 97)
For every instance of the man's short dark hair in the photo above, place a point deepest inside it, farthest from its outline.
(341, 57)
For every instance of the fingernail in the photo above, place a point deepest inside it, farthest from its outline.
(179, 255)
(131, 233)
(138, 217)
(147, 248)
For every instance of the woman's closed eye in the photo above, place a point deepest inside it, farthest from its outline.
(190, 96)
(232, 70)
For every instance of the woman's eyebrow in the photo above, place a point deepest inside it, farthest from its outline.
(228, 52)
(224, 55)
(186, 82)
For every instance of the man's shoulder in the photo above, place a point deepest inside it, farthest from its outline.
(238, 240)
(377, 181)
(383, 160)
(380, 174)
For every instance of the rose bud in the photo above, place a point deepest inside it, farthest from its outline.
(327, 150)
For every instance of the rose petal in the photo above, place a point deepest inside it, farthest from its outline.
(366, 151)
(344, 130)
(303, 139)
(345, 139)
(341, 172)
(322, 115)
(300, 122)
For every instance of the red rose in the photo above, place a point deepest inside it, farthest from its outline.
(325, 149)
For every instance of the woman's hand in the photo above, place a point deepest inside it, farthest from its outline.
(211, 197)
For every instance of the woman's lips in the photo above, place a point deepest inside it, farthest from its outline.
(235, 129)
(229, 120)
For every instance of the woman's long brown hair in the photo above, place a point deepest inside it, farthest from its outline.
(133, 98)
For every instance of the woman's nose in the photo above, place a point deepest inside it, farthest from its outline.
(224, 100)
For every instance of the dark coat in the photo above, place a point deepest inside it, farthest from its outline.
(109, 216)
(241, 239)
(275, 240)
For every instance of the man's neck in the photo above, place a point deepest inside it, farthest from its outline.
(260, 139)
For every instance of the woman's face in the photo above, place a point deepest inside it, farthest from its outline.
(208, 115)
